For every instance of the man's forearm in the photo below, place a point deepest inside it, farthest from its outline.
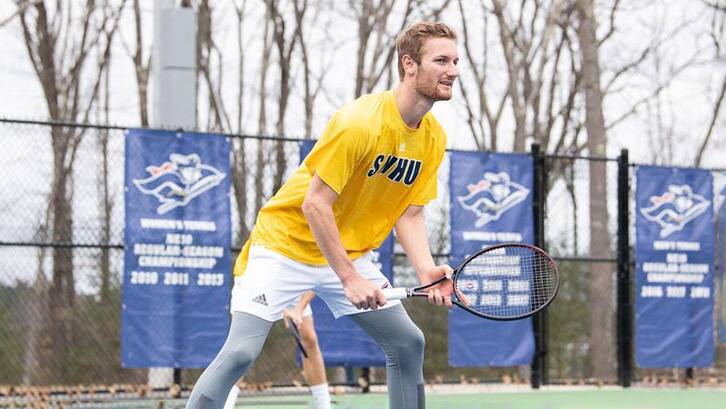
(411, 232)
(305, 300)
(321, 220)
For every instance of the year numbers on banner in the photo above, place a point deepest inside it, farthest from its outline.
(144, 277)
(210, 279)
(176, 278)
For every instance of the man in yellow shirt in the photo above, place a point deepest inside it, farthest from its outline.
(373, 169)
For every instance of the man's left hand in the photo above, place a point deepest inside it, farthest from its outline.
(440, 294)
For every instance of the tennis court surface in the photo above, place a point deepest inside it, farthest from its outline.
(544, 399)
(524, 398)
(455, 397)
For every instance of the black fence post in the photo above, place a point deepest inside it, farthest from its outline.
(177, 381)
(625, 305)
(538, 366)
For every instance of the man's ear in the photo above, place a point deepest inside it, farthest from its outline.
(409, 65)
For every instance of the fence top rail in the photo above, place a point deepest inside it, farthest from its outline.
(58, 244)
(124, 128)
(635, 165)
(582, 157)
(300, 139)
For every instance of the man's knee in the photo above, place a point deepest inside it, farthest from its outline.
(409, 344)
(414, 341)
(243, 355)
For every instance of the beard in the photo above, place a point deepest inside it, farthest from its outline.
(431, 90)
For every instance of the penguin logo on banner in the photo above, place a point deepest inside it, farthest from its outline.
(177, 181)
(675, 208)
(492, 196)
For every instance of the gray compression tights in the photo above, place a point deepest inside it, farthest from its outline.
(403, 344)
(401, 340)
(246, 336)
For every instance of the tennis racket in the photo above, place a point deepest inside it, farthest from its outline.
(503, 282)
(296, 333)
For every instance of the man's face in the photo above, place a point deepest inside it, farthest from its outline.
(437, 72)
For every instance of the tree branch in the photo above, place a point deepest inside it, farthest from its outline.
(711, 126)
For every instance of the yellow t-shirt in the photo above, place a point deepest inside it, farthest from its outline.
(376, 164)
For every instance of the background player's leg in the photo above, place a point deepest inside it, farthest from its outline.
(232, 397)
(313, 365)
(246, 336)
(403, 344)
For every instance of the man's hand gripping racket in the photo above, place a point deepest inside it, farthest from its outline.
(289, 319)
(502, 282)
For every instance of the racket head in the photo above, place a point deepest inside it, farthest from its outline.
(506, 282)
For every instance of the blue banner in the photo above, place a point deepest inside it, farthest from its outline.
(177, 268)
(720, 259)
(305, 147)
(341, 341)
(674, 253)
(491, 203)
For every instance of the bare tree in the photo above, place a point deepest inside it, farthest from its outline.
(239, 157)
(60, 52)
(106, 197)
(712, 124)
(535, 45)
(22, 5)
(36, 308)
(240, 13)
(601, 289)
(285, 37)
(717, 33)
(660, 117)
(485, 115)
(141, 58)
(141, 68)
(313, 81)
(262, 113)
(209, 55)
(376, 41)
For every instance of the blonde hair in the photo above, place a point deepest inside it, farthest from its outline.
(410, 40)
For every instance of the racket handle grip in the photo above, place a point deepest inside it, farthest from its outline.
(398, 293)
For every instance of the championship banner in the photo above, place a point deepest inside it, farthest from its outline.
(177, 269)
(342, 341)
(491, 203)
(674, 253)
(305, 147)
(721, 249)
(720, 191)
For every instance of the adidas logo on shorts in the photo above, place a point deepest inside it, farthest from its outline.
(260, 299)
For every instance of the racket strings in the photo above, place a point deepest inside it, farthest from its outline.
(507, 282)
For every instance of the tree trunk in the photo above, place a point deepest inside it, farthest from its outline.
(107, 208)
(239, 157)
(141, 70)
(62, 291)
(239, 181)
(602, 342)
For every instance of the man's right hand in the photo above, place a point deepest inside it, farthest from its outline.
(364, 294)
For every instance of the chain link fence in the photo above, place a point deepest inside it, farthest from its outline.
(61, 256)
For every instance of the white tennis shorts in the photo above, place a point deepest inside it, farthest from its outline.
(273, 282)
